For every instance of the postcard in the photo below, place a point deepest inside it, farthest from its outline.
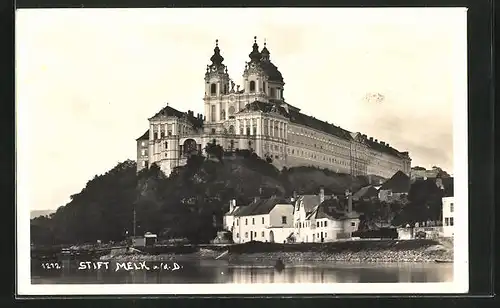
(241, 151)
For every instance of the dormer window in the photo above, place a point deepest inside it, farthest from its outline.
(252, 86)
(213, 89)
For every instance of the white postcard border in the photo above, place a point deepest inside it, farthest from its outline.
(460, 282)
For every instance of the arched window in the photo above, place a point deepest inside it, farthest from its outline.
(252, 86)
(231, 129)
(213, 89)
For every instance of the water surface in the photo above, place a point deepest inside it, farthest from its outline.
(221, 272)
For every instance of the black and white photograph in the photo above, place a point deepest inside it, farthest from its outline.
(241, 151)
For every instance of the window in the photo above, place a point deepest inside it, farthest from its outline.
(252, 86)
(317, 224)
(144, 163)
(451, 207)
(324, 224)
(353, 224)
(255, 234)
(283, 219)
(273, 92)
(253, 221)
(446, 221)
(246, 221)
(237, 222)
(213, 89)
(143, 143)
(166, 145)
(166, 154)
(262, 220)
(246, 234)
(213, 131)
(262, 234)
(264, 86)
(212, 113)
(237, 235)
(451, 221)
(143, 152)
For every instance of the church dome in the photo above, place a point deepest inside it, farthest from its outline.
(271, 71)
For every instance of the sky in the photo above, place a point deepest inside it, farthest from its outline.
(87, 80)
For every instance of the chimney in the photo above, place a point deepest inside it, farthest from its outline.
(388, 145)
(371, 138)
(321, 195)
(376, 140)
(232, 205)
(382, 142)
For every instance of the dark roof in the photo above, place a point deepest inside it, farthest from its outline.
(172, 112)
(448, 187)
(398, 183)
(309, 202)
(366, 192)
(333, 209)
(264, 107)
(271, 71)
(145, 136)
(260, 207)
(300, 118)
(384, 148)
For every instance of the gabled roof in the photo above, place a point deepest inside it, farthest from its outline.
(332, 209)
(309, 202)
(366, 192)
(260, 207)
(398, 183)
(145, 136)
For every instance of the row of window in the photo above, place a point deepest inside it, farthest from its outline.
(283, 220)
(448, 221)
(262, 234)
(311, 155)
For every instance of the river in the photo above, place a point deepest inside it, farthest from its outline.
(215, 271)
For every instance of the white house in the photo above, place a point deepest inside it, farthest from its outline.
(331, 221)
(304, 206)
(264, 220)
(448, 215)
(320, 218)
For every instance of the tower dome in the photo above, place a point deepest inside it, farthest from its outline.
(255, 54)
(216, 57)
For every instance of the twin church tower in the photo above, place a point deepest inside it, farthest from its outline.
(256, 117)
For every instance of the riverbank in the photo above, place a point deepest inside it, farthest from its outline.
(385, 251)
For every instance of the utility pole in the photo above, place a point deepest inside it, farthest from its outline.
(134, 221)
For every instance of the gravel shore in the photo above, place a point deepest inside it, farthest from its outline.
(422, 254)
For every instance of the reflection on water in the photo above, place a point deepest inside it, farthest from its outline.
(222, 272)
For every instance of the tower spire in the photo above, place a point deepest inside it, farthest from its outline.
(216, 57)
(255, 54)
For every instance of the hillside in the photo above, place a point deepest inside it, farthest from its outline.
(192, 201)
(38, 213)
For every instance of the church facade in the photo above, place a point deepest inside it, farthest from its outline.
(256, 117)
